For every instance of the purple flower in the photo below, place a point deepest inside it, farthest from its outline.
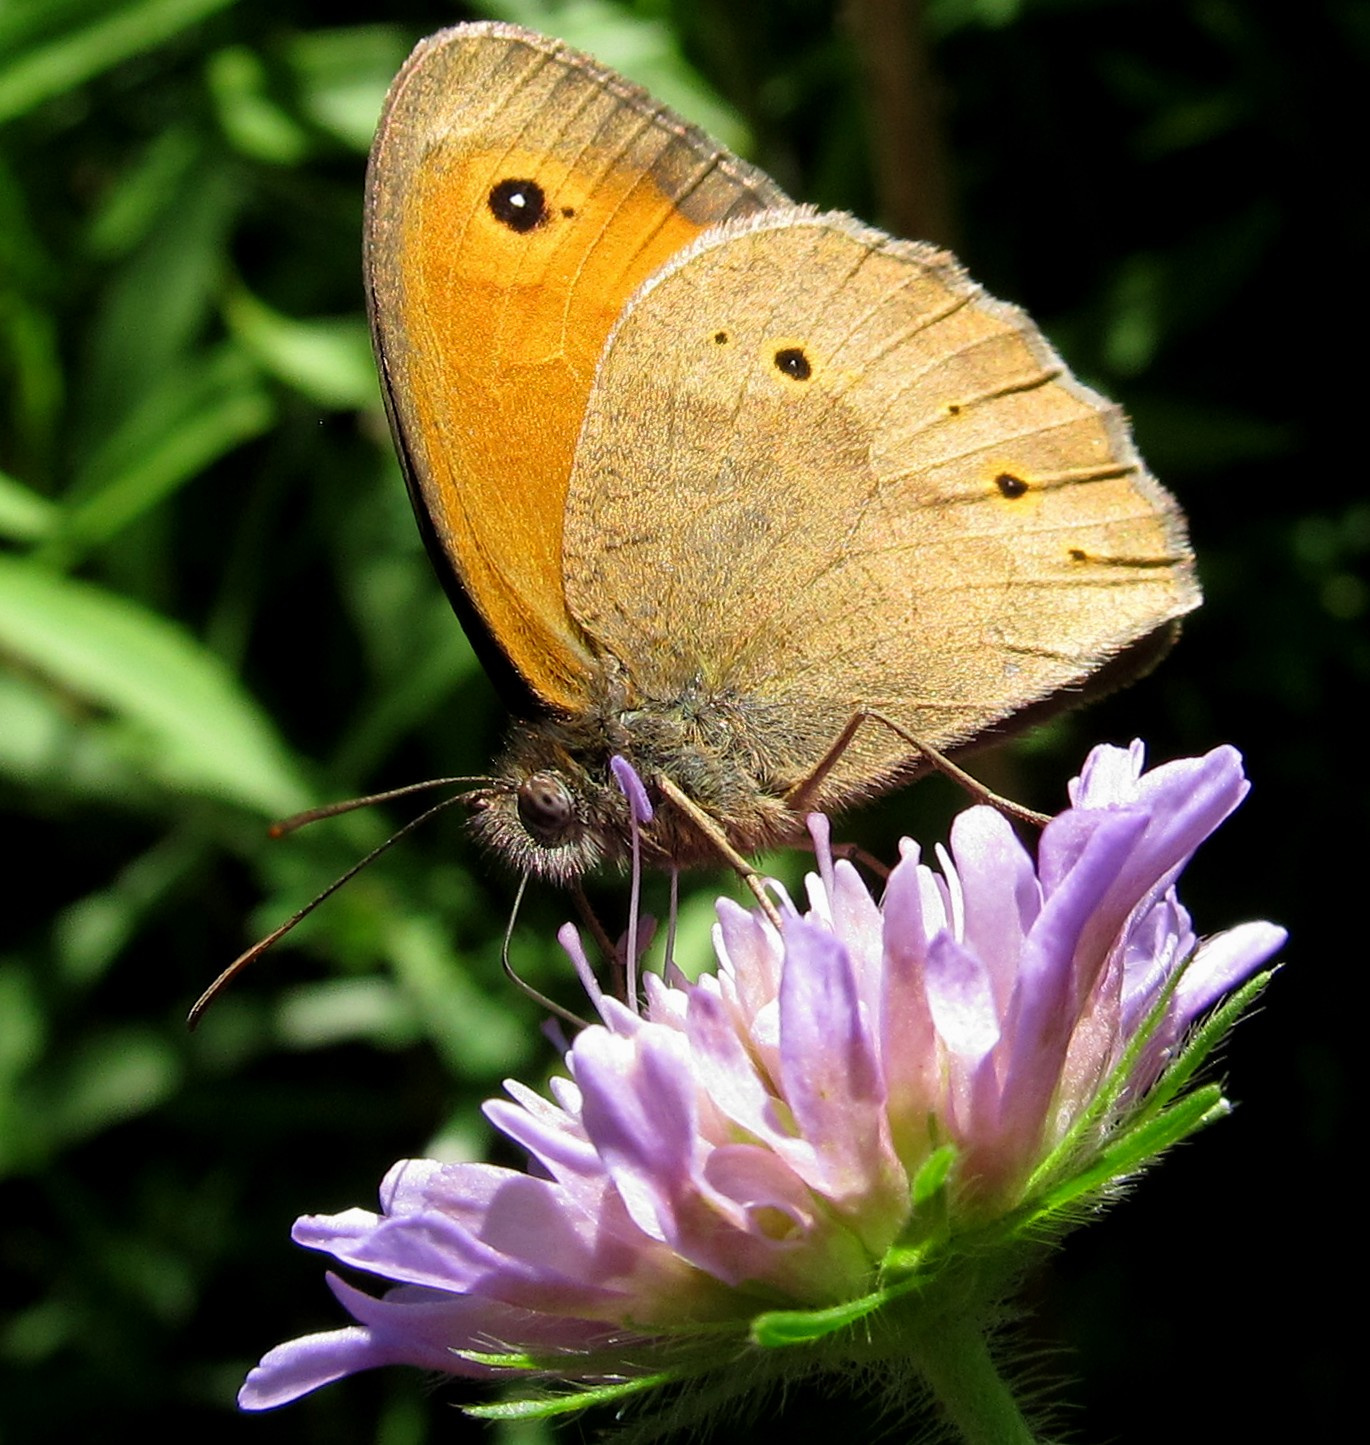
(754, 1141)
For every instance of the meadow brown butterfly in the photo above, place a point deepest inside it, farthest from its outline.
(708, 475)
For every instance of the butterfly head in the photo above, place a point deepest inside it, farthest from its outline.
(552, 810)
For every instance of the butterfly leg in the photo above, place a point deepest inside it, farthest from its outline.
(725, 849)
(618, 973)
(798, 797)
(853, 853)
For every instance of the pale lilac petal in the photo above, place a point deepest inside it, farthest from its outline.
(299, 1366)
(1181, 802)
(1058, 969)
(961, 999)
(757, 1179)
(999, 884)
(964, 1012)
(667, 1002)
(831, 1078)
(908, 1054)
(725, 1068)
(429, 1325)
(826, 1040)
(639, 1108)
(955, 896)
(421, 1328)
(1109, 776)
(548, 1135)
(806, 1255)
(1062, 955)
(1157, 943)
(566, 1093)
(858, 922)
(1222, 963)
(488, 1235)
(748, 951)
(405, 1185)
(820, 830)
(568, 936)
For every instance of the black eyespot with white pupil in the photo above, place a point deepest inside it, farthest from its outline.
(545, 807)
(520, 205)
(793, 363)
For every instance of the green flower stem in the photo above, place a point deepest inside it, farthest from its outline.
(955, 1361)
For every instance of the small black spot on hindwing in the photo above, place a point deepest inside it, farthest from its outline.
(792, 361)
(1009, 485)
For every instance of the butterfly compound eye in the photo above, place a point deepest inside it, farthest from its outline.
(545, 807)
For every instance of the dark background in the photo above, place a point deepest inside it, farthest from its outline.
(214, 608)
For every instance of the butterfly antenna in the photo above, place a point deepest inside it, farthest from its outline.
(536, 995)
(332, 810)
(249, 955)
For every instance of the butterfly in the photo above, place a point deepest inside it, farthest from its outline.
(762, 500)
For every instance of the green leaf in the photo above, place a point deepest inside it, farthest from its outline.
(476, 1034)
(138, 199)
(64, 752)
(342, 1010)
(92, 932)
(343, 76)
(107, 1078)
(198, 414)
(24, 515)
(157, 305)
(25, 1033)
(329, 360)
(48, 48)
(32, 385)
(256, 125)
(200, 730)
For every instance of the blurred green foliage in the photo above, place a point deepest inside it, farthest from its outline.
(214, 610)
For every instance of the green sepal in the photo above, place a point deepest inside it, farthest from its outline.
(1121, 1154)
(1205, 1038)
(777, 1329)
(932, 1175)
(493, 1361)
(1135, 1149)
(1078, 1140)
(582, 1398)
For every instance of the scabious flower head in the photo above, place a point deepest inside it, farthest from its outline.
(819, 1131)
